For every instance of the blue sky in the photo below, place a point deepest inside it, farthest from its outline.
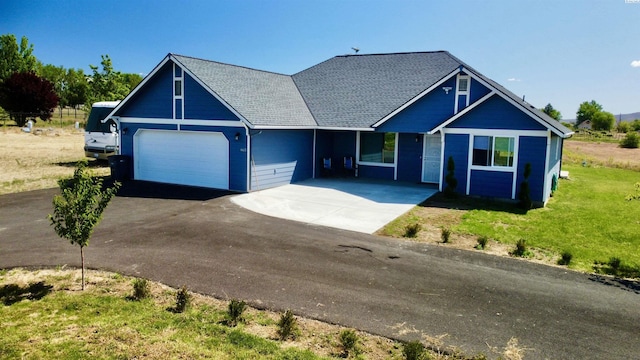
(559, 52)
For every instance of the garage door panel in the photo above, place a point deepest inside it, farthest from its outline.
(182, 157)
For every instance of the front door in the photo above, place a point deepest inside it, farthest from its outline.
(431, 159)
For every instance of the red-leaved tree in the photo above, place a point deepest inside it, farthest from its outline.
(25, 95)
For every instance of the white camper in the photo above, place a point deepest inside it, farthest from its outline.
(100, 138)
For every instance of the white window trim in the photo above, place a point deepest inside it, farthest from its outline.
(467, 93)
(508, 169)
(386, 165)
(180, 97)
(493, 146)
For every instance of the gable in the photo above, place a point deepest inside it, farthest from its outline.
(496, 113)
(153, 99)
(424, 114)
(433, 108)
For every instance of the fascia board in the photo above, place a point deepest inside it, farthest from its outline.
(462, 113)
(139, 86)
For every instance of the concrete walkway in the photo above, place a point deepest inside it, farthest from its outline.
(350, 204)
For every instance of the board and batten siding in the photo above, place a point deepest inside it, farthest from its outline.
(533, 150)
(280, 157)
(456, 146)
(410, 148)
(154, 100)
(496, 113)
(424, 114)
(200, 104)
(494, 184)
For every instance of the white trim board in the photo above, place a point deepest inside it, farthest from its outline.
(223, 123)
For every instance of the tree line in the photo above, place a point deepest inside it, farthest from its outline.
(30, 89)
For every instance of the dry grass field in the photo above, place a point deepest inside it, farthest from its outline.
(30, 161)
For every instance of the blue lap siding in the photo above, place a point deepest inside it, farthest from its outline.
(280, 157)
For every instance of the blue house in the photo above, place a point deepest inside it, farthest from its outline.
(398, 116)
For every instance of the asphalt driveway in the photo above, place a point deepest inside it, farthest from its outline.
(395, 288)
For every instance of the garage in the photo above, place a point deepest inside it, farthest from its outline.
(182, 157)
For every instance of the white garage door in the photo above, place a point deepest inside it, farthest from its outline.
(182, 157)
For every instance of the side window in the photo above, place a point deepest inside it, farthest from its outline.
(377, 147)
(493, 151)
(482, 150)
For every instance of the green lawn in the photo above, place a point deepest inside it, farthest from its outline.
(588, 216)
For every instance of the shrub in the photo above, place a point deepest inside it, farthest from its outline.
(183, 300)
(482, 243)
(141, 289)
(412, 230)
(446, 233)
(630, 141)
(521, 249)
(349, 341)
(414, 350)
(615, 263)
(450, 179)
(623, 127)
(287, 326)
(565, 258)
(234, 312)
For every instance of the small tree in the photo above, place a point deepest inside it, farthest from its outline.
(603, 120)
(79, 207)
(450, 179)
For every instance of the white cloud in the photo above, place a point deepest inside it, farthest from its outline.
(635, 63)
(514, 79)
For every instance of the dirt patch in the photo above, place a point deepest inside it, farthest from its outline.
(31, 161)
(601, 153)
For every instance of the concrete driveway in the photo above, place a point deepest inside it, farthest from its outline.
(361, 205)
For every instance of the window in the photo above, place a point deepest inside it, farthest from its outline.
(463, 84)
(178, 88)
(378, 147)
(493, 151)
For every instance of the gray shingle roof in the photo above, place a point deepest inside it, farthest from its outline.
(359, 90)
(262, 98)
(350, 91)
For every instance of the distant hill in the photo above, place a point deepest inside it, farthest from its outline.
(624, 117)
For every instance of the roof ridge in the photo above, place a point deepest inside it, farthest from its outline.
(227, 64)
(396, 53)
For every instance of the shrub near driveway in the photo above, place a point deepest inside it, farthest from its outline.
(588, 217)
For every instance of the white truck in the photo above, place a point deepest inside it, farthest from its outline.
(100, 138)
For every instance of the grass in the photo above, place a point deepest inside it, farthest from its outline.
(45, 316)
(587, 217)
(102, 322)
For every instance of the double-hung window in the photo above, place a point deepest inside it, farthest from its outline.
(377, 147)
(493, 151)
